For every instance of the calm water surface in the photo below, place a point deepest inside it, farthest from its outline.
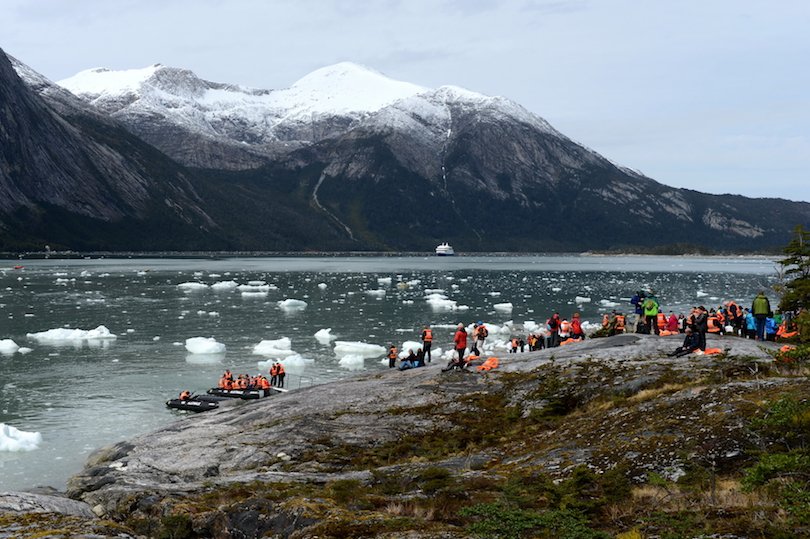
(86, 394)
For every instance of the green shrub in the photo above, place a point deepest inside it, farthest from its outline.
(501, 521)
(795, 464)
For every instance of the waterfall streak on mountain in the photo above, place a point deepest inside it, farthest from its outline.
(327, 212)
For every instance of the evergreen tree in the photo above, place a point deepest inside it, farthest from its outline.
(796, 264)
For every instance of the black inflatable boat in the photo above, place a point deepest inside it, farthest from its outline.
(197, 403)
(241, 393)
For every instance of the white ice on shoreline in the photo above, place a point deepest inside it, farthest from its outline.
(62, 335)
(204, 345)
(352, 362)
(12, 439)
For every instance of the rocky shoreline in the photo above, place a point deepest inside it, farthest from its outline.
(394, 439)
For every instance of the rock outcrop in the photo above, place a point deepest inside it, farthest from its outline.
(386, 444)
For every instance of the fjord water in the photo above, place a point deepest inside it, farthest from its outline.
(87, 394)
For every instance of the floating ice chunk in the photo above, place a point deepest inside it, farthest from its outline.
(322, 286)
(556, 289)
(384, 281)
(192, 286)
(204, 345)
(378, 293)
(61, 335)
(608, 303)
(346, 348)
(324, 336)
(701, 294)
(582, 299)
(352, 362)
(253, 288)
(430, 291)
(12, 439)
(274, 348)
(257, 283)
(221, 286)
(503, 307)
(24, 350)
(292, 305)
(494, 294)
(440, 302)
(296, 363)
(8, 347)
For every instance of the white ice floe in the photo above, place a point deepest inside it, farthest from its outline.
(378, 293)
(324, 336)
(701, 294)
(257, 283)
(581, 299)
(205, 359)
(494, 294)
(192, 286)
(384, 281)
(440, 302)
(352, 362)
(204, 345)
(292, 305)
(8, 347)
(346, 348)
(410, 345)
(12, 439)
(292, 364)
(221, 286)
(254, 288)
(608, 303)
(277, 348)
(24, 350)
(63, 335)
(556, 289)
(322, 286)
(503, 307)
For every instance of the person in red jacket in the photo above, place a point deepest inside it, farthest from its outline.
(460, 346)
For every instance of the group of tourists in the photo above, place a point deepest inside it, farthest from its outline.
(246, 381)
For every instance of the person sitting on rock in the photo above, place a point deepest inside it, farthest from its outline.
(690, 343)
(409, 362)
(420, 358)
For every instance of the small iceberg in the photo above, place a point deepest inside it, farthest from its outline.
(204, 345)
(324, 336)
(12, 439)
(277, 348)
(66, 335)
(347, 348)
(292, 305)
(8, 347)
(503, 307)
(192, 286)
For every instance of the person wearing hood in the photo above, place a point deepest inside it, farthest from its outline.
(760, 308)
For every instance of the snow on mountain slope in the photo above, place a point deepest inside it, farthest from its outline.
(221, 110)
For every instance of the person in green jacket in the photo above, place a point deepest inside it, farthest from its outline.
(760, 308)
(650, 308)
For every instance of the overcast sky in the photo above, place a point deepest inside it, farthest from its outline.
(712, 95)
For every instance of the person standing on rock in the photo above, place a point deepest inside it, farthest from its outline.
(460, 344)
(392, 356)
(760, 308)
(427, 341)
(480, 334)
(701, 326)
(650, 308)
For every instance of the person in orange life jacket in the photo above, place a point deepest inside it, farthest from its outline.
(274, 374)
(263, 383)
(427, 341)
(618, 324)
(672, 323)
(713, 322)
(185, 395)
(553, 325)
(392, 356)
(281, 374)
(576, 327)
(513, 345)
(480, 333)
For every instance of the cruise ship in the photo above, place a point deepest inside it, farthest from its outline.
(445, 250)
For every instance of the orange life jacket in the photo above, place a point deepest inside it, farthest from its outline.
(273, 369)
(619, 322)
(713, 325)
(565, 327)
(661, 320)
(243, 383)
(605, 321)
(489, 364)
(280, 369)
(263, 383)
(720, 318)
(428, 335)
(712, 351)
(392, 354)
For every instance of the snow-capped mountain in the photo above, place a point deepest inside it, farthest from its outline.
(344, 159)
(177, 111)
